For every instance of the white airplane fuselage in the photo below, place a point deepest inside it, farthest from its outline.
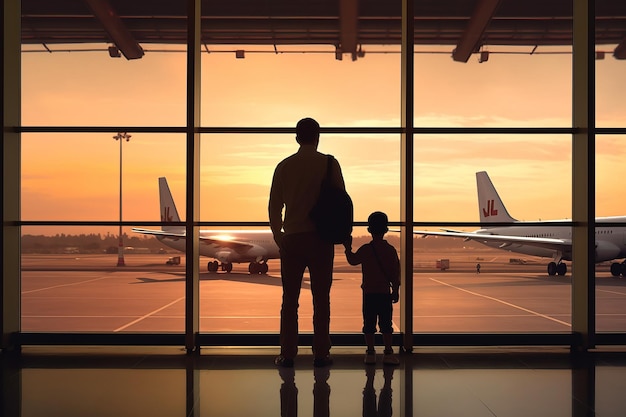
(546, 239)
(610, 241)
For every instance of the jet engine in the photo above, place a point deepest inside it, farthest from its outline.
(606, 251)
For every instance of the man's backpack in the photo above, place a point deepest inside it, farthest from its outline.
(333, 212)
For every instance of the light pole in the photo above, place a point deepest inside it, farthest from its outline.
(120, 250)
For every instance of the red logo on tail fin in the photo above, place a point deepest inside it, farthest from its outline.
(490, 211)
(165, 216)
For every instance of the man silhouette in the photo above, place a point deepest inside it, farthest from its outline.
(295, 187)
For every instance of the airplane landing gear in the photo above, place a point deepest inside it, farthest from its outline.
(257, 268)
(557, 269)
(213, 266)
(618, 269)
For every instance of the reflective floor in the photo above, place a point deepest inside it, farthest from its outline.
(98, 381)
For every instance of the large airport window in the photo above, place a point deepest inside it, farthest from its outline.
(76, 180)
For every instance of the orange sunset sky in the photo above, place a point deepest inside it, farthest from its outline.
(76, 176)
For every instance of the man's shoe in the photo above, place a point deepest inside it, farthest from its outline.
(283, 362)
(390, 359)
(370, 357)
(324, 361)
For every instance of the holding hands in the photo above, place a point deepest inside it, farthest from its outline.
(348, 243)
(395, 295)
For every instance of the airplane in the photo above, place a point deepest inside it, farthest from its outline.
(545, 240)
(224, 246)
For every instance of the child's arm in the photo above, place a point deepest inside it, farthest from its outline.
(395, 282)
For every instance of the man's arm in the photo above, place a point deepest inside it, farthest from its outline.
(275, 208)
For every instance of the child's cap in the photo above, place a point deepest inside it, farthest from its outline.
(377, 222)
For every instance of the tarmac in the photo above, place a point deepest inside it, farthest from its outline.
(90, 293)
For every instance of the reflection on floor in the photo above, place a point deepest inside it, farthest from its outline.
(98, 381)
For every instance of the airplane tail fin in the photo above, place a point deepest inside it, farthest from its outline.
(168, 208)
(490, 206)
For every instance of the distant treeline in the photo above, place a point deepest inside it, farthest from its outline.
(88, 243)
(97, 243)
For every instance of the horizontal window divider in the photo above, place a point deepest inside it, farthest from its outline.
(102, 339)
(496, 339)
(131, 223)
(494, 224)
(290, 130)
(392, 224)
(94, 223)
(100, 129)
(495, 130)
(305, 339)
(610, 131)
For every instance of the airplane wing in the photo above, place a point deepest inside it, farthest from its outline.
(219, 241)
(163, 233)
(226, 242)
(504, 240)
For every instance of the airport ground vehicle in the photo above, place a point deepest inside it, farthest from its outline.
(443, 264)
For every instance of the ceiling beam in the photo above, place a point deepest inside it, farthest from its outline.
(119, 33)
(478, 23)
(348, 21)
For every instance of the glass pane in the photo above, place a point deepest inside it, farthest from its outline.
(76, 176)
(90, 88)
(268, 89)
(518, 166)
(237, 172)
(88, 80)
(512, 89)
(72, 282)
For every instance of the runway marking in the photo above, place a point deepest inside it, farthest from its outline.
(473, 316)
(63, 285)
(119, 329)
(611, 292)
(503, 302)
(50, 316)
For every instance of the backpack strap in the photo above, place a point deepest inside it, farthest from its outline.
(380, 264)
(329, 166)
